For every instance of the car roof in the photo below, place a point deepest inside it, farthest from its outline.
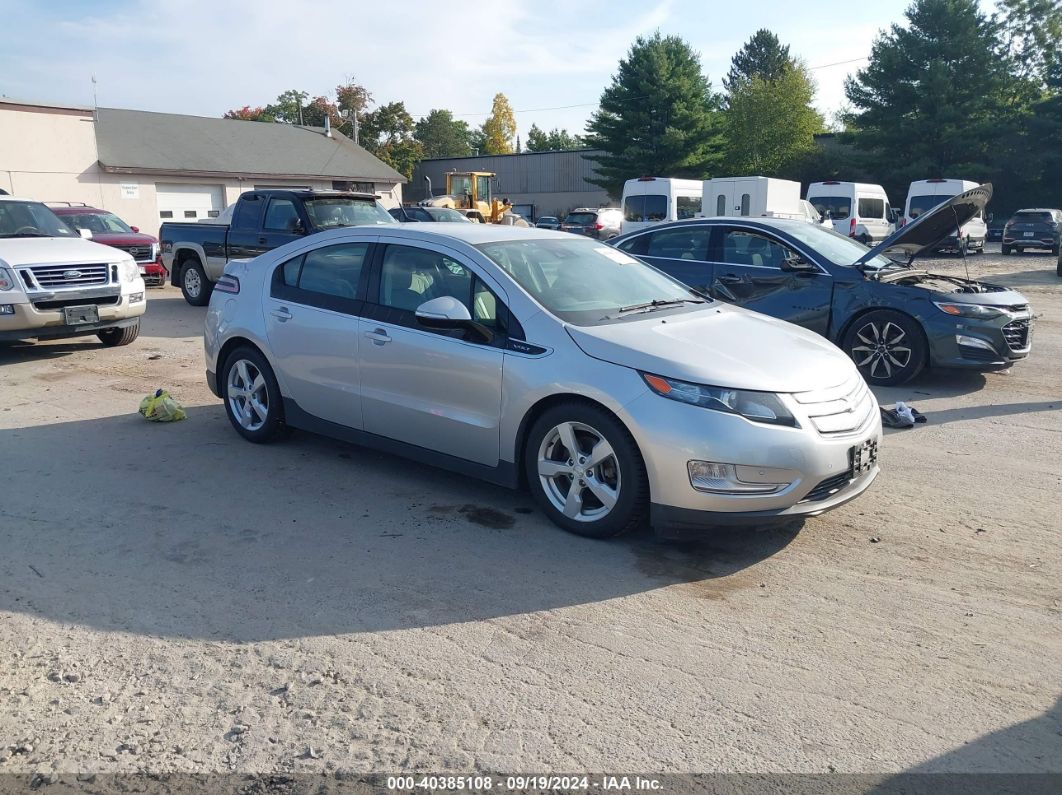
(1037, 210)
(76, 210)
(472, 234)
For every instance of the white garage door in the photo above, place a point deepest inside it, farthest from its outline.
(189, 202)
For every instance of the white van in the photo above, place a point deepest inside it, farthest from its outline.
(925, 194)
(856, 209)
(652, 200)
(755, 197)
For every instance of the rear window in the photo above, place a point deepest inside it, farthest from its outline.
(647, 207)
(687, 207)
(923, 204)
(871, 208)
(1032, 218)
(837, 208)
(581, 218)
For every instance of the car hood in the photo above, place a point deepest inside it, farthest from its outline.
(930, 228)
(719, 345)
(18, 251)
(124, 239)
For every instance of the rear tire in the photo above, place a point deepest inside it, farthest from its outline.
(1055, 250)
(194, 283)
(1058, 267)
(116, 337)
(604, 490)
(887, 347)
(251, 395)
(1006, 250)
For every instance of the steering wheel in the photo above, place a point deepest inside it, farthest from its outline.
(22, 229)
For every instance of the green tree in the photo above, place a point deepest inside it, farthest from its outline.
(658, 116)
(763, 56)
(1032, 31)
(500, 127)
(442, 136)
(554, 140)
(387, 132)
(931, 100)
(288, 107)
(771, 124)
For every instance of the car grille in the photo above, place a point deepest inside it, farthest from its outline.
(841, 409)
(1016, 334)
(141, 253)
(828, 487)
(47, 276)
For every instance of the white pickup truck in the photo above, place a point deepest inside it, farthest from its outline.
(54, 283)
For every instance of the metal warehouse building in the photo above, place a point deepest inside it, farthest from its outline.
(537, 183)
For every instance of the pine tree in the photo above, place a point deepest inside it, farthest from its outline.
(659, 116)
(442, 135)
(763, 56)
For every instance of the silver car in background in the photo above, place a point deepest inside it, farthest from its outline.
(526, 356)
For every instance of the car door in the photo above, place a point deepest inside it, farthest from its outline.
(750, 270)
(679, 251)
(434, 389)
(311, 314)
(282, 224)
(245, 227)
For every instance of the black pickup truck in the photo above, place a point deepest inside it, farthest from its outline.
(196, 253)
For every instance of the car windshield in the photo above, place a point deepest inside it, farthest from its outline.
(344, 211)
(97, 223)
(31, 219)
(923, 204)
(446, 214)
(837, 208)
(580, 218)
(1032, 218)
(583, 282)
(838, 249)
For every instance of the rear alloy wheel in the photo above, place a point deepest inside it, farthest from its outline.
(585, 470)
(887, 347)
(116, 337)
(252, 396)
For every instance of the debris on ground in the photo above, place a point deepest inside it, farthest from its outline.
(161, 407)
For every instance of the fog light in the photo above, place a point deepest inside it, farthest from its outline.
(7, 309)
(974, 342)
(716, 478)
(136, 298)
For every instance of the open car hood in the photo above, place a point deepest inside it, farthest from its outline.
(930, 228)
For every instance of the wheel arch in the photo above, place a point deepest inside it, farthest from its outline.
(182, 253)
(848, 324)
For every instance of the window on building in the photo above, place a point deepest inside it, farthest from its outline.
(190, 214)
(166, 214)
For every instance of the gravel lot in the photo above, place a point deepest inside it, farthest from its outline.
(175, 599)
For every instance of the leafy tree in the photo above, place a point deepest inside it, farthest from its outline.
(1033, 37)
(247, 113)
(319, 108)
(658, 116)
(387, 132)
(771, 124)
(288, 107)
(554, 140)
(763, 56)
(351, 96)
(500, 127)
(931, 100)
(442, 135)
(477, 141)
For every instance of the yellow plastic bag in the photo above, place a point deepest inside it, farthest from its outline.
(160, 407)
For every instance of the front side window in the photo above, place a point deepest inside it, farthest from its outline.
(687, 207)
(748, 248)
(282, 216)
(836, 208)
(871, 208)
(582, 281)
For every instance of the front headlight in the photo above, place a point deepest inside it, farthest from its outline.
(975, 311)
(129, 270)
(7, 281)
(755, 406)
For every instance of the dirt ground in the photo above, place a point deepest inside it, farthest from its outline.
(173, 598)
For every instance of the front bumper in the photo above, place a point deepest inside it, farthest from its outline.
(983, 345)
(29, 321)
(670, 434)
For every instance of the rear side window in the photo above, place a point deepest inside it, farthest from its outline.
(648, 207)
(690, 243)
(836, 208)
(872, 208)
(326, 277)
(247, 214)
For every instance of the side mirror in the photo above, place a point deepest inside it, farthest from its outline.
(797, 264)
(85, 233)
(446, 313)
(136, 229)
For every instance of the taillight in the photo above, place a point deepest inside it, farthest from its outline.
(228, 284)
(599, 227)
(852, 228)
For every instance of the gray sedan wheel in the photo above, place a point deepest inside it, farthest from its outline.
(252, 397)
(585, 471)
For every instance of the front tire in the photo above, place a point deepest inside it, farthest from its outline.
(251, 395)
(194, 283)
(585, 471)
(116, 337)
(888, 347)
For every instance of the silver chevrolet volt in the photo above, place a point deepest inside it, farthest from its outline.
(525, 356)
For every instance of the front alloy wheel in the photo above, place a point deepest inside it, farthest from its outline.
(887, 348)
(579, 472)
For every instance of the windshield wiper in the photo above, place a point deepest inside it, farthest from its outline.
(649, 306)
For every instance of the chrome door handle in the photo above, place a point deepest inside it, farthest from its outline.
(283, 314)
(379, 336)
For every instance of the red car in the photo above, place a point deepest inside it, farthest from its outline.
(110, 230)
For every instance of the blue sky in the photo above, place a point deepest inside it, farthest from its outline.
(550, 59)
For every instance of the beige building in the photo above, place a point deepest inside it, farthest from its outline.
(150, 167)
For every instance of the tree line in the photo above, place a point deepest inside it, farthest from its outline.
(951, 91)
